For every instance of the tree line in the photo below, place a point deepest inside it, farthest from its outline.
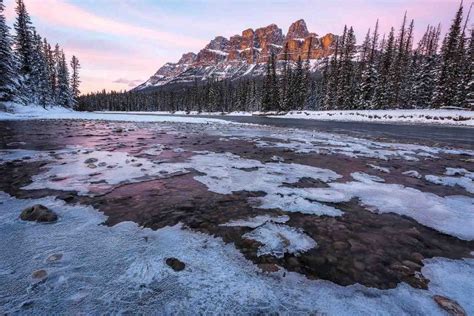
(384, 72)
(31, 70)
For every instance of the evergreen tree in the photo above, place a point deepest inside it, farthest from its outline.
(64, 97)
(75, 82)
(448, 80)
(8, 83)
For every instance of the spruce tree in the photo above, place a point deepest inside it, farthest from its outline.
(448, 79)
(8, 83)
(75, 81)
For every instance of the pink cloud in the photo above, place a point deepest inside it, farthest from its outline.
(59, 13)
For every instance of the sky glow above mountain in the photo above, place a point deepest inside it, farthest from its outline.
(121, 43)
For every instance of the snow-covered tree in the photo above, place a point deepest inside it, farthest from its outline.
(449, 78)
(8, 82)
(64, 97)
(75, 81)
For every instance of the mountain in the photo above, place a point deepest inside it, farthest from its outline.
(243, 55)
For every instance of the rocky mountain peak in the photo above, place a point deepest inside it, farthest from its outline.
(188, 58)
(244, 55)
(297, 29)
(219, 43)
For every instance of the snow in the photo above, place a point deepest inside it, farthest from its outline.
(278, 239)
(430, 116)
(21, 112)
(115, 270)
(218, 52)
(419, 116)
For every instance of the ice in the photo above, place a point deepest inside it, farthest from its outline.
(366, 178)
(412, 173)
(256, 221)
(459, 172)
(227, 173)
(278, 239)
(87, 171)
(378, 168)
(23, 154)
(464, 182)
(115, 270)
(302, 141)
(451, 278)
(455, 176)
(453, 215)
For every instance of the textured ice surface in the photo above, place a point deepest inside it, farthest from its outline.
(455, 176)
(256, 221)
(453, 279)
(227, 173)
(278, 239)
(302, 141)
(93, 171)
(23, 154)
(117, 270)
(453, 215)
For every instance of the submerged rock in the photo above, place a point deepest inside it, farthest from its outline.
(38, 213)
(90, 160)
(54, 257)
(175, 264)
(39, 274)
(450, 306)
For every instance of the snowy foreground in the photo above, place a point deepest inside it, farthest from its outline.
(94, 269)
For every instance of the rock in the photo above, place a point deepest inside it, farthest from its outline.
(39, 274)
(175, 264)
(359, 265)
(340, 245)
(118, 130)
(293, 262)
(38, 213)
(297, 29)
(452, 307)
(411, 264)
(268, 267)
(90, 160)
(54, 257)
(92, 166)
(244, 55)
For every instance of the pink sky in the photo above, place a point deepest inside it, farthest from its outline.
(121, 43)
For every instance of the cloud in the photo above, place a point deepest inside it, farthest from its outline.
(131, 83)
(60, 13)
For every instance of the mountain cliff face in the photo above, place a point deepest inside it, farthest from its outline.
(244, 55)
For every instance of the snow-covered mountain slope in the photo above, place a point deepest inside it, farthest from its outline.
(244, 55)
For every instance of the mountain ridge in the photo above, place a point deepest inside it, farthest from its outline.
(243, 55)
